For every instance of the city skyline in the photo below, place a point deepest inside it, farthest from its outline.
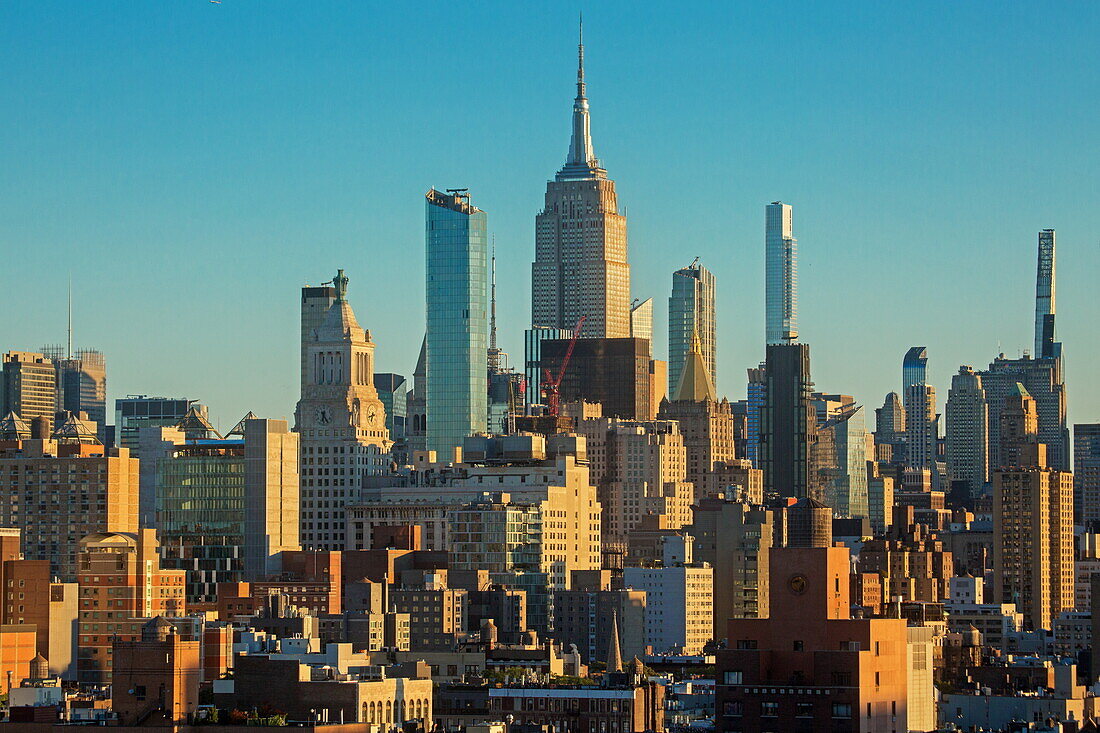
(202, 284)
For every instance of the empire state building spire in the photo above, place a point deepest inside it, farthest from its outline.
(582, 162)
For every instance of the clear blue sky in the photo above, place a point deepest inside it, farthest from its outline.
(193, 164)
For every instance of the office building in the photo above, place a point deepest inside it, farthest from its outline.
(82, 384)
(1044, 381)
(843, 469)
(1032, 520)
(691, 315)
(641, 320)
(589, 616)
(28, 386)
(532, 358)
(614, 372)
(640, 469)
(341, 421)
(967, 439)
(679, 608)
(1045, 345)
(122, 586)
(393, 391)
(921, 425)
(225, 508)
(457, 340)
(706, 424)
(580, 266)
(890, 430)
(136, 412)
(756, 398)
(734, 537)
(780, 274)
(1086, 474)
(788, 422)
(880, 498)
(58, 492)
(810, 665)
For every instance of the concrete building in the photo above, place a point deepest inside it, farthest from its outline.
(788, 423)
(1032, 520)
(633, 707)
(780, 274)
(155, 681)
(967, 444)
(890, 429)
(691, 316)
(679, 599)
(810, 665)
(1044, 380)
(580, 266)
(550, 473)
(532, 358)
(735, 538)
(880, 498)
(58, 492)
(585, 616)
(33, 598)
(137, 412)
(614, 372)
(457, 336)
(706, 424)
(1086, 473)
(28, 386)
(121, 587)
(341, 421)
(913, 566)
(82, 386)
(640, 469)
(225, 508)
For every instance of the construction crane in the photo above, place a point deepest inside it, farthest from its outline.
(552, 384)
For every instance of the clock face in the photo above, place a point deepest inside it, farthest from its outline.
(797, 584)
(372, 414)
(323, 416)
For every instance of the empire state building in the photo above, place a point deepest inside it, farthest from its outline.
(580, 266)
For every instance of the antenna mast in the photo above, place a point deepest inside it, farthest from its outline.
(69, 341)
(494, 352)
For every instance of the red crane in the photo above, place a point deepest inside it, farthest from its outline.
(550, 384)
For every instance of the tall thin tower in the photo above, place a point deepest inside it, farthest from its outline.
(580, 266)
(1045, 345)
(781, 274)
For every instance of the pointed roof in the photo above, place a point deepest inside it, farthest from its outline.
(1019, 390)
(614, 653)
(421, 369)
(581, 162)
(338, 323)
(74, 430)
(238, 429)
(695, 382)
(13, 427)
(195, 426)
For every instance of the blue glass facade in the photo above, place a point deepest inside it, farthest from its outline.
(457, 339)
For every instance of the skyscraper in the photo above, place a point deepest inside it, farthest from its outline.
(580, 266)
(1045, 345)
(1086, 472)
(28, 386)
(341, 420)
(1032, 519)
(1044, 381)
(691, 311)
(458, 320)
(788, 422)
(890, 428)
(781, 274)
(967, 417)
(641, 320)
(921, 428)
(756, 395)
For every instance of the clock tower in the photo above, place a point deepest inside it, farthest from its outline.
(341, 420)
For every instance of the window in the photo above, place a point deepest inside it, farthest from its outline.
(804, 710)
(842, 710)
(734, 707)
(769, 709)
(733, 678)
(798, 645)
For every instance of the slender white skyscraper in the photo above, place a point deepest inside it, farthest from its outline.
(781, 274)
(1045, 346)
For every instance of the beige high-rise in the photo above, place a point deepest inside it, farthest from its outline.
(580, 266)
(1032, 520)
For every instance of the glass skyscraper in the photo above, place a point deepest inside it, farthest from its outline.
(691, 312)
(781, 274)
(457, 339)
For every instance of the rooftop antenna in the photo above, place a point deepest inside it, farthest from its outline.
(494, 352)
(69, 341)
